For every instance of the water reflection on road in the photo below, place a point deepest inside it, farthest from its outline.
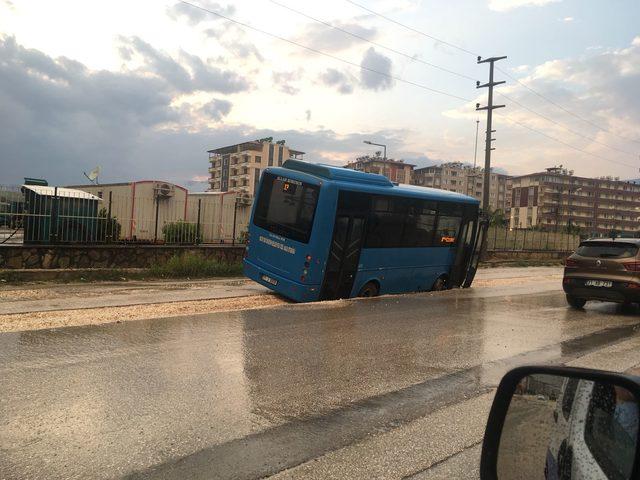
(113, 398)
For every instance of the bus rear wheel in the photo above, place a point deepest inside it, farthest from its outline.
(370, 289)
(440, 284)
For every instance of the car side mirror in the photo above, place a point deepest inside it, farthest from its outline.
(562, 423)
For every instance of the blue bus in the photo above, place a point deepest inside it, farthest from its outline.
(319, 232)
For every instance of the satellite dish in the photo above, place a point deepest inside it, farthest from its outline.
(93, 175)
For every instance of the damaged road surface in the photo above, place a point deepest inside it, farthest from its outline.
(388, 387)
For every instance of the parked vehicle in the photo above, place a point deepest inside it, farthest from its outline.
(321, 232)
(603, 269)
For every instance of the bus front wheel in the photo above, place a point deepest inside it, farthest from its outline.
(370, 289)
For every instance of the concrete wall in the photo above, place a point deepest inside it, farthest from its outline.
(107, 256)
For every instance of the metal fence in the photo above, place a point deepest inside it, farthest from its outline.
(501, 239)
(33, 215)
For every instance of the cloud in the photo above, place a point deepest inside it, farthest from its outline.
(339, 80)
(235, 40)
(216, 109)
(521, 69)
(506, 5)
(323, 38)
(284, 81)
(375, 61)
(568, 19)
(188, 74)
(60, 118)
(193, 16)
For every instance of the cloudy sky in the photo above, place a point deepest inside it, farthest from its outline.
(144, 88)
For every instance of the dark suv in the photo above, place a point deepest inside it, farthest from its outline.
(603, 269)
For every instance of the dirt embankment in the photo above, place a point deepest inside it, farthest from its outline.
(96, 316)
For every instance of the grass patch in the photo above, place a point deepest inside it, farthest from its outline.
(190, 265)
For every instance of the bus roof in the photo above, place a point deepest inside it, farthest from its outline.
(374, 183)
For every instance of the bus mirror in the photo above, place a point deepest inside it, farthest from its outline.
(561, 423)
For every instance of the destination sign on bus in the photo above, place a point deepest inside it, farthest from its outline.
(289, 188)
(289, 185)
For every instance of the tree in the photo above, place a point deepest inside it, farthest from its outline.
(497, 219)
(572, 229)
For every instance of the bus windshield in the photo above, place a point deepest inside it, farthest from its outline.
(286, 207)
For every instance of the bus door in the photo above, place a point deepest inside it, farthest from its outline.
(464, 251)
(468, 248)
(344, 256)
(476, 251)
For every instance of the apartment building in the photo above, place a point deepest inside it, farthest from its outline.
(238, 167)
(395, 170)
(555, 199)
(468, 180)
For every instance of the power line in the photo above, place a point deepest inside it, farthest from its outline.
(566, 110)
(586, 137)
(412, 29)
(565, 143)
(379, 45)
(320, 52)
(327, 24)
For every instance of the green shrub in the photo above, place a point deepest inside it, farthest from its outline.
(107, 229)
(180, 232)
(194, 266)
(243, 237)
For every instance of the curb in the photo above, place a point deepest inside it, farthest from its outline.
(70, 274)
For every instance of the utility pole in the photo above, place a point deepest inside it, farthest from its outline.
(475, 151)
(475, 157)
(489, 108)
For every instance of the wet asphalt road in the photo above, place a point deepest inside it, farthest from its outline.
(250, 394)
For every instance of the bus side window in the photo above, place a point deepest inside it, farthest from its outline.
(447, 231)
(419, 226)
(384, 230)
(386, 222)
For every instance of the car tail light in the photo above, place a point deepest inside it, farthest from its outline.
(632, 266)
(570, 262)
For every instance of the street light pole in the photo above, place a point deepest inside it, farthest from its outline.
(384, 155)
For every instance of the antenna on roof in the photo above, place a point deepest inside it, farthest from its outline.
(93, 175)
